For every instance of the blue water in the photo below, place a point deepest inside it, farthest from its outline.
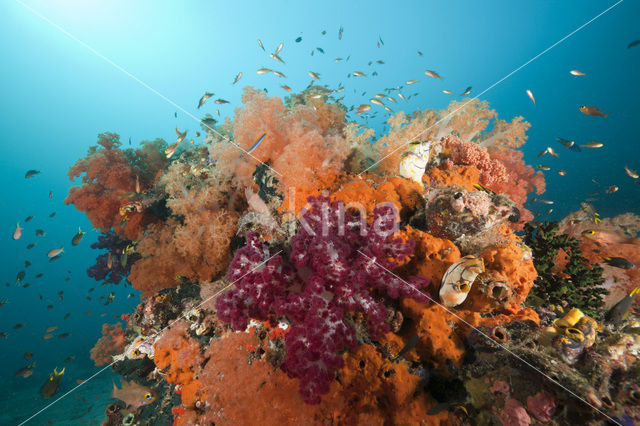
(59, 90)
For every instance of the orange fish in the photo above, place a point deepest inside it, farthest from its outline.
(592, 110)
(133, 394)
(604, 237)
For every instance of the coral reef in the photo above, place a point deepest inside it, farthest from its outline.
(287, 286)
(111, 343)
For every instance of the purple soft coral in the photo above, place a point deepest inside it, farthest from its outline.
(336, 263)
(114, 245)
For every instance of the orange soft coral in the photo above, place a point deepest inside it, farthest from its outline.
(196, 248)
(178, 355)
(239, 391)
(112, 343)
(304, 144)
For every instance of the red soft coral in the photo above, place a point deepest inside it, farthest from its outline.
(109, 179)
(112, 343)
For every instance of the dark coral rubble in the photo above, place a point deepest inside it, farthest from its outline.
(293, 287)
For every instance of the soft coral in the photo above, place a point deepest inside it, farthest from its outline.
(336, 267)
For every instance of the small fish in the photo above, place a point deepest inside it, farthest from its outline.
(340, 32)
(569, 144)
(388, 109)
(380, 40)
(175, 114)
(634, 43)
(26, 285)
(419, 53)
(27, 263)
(389, 98)
(285, 87)
(530, 95)
(18, 232)
(619, 262)
(31, 173)
(109, 261)
(432, 74)
(279, 48)
(67, 315)
(401, 96)
(25, 371)
(548, 150)
(260, 44)
(47, 336)
(364, 108)
(481, 187)
(337, 60)
(3, 302)
(298, 40)
(27, 356)
(612, 189)
(52, 328)
(411, 343)
(30, 246)
(50, 387)
(592, 110)
(632, 173)
(69, 358)
(577, 73)
(276, 57)
(359, 74)
(466, 91)
(133, 394)
(264, 71)
(55, 252)
(592, 145)
(64, 335)
(18, 326)
(320, 49)
(52, 215)
(28, 219)
(411, 81)
(562, 173)
(20, 276)
(181, 136)
(257, 143)
(171, 150)
(40, 275)
(543, 167)
(379, 62)
(604, 237)
(203, 99)
(221, 101)
(78, 237)
(620, 310)
(314, 75)
(3, 334)
(448, 92)
(376, 101)
(51, 191)
(279, 74)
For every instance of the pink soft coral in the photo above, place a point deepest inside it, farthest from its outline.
(112, 343)
(514, 414)
(469, 153)
(542, 405)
